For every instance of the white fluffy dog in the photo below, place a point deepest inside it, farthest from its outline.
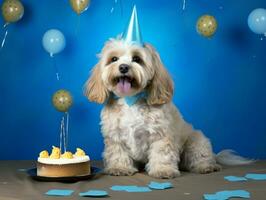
(150, 130)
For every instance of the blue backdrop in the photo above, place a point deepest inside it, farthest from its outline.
(219, 82)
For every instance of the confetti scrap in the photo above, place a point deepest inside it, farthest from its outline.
(256, 176)
(160, 186)
(223, 195)
(94, 193)
(235, 178)
(57, 192)
(130, 188)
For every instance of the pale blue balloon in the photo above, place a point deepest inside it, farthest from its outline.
(53, 41)
(257, 21)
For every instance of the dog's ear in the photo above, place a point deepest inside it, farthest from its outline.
(94, 88)
(160, 90)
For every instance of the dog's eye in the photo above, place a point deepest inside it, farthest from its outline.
(136, 59)
(114, 59)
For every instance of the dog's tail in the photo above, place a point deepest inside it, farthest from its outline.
(229, 157)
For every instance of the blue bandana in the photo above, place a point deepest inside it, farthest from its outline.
(131, 100)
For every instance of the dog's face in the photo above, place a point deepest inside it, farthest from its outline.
(127, 69)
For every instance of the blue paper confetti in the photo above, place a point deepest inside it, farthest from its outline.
(160, 186)
(57, 192)
(94, 193)
(130, 188)
(257, 177)
(226, 194)
(235, 178)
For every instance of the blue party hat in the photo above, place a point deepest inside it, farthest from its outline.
(133, 35)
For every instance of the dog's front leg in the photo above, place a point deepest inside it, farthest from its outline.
(116, 160)
(163, 159)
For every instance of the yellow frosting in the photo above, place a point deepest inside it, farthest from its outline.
(80, 152)
(67, 155)
(55, 153)
(44, 154)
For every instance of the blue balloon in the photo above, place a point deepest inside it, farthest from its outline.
(53, 41)
(257, 21)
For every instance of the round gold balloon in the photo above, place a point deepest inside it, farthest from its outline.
(62, 100)
(206, 25)
(79, 6)
(12, 10)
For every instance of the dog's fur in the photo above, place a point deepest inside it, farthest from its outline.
(152, 131)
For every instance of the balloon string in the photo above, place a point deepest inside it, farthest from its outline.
(61, 132)
(4, 39)
(5, 25)
(56, 69)
(66, 132)
(113, 8)
(184, 5)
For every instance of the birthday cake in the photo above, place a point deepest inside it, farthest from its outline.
(63, 165)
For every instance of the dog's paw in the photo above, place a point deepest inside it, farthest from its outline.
(120, 171)
(207, 168)
(164, 173)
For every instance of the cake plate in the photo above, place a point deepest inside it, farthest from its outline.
(33, 174)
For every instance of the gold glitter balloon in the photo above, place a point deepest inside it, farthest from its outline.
(62, 100)
(206, 25)
(12, 10)
(79, 6)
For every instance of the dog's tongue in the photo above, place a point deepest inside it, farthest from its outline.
(124, 86)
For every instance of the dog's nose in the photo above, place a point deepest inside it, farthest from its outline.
(123, 68)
